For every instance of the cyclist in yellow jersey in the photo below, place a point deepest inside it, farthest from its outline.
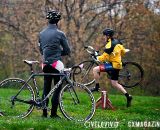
(112, 63)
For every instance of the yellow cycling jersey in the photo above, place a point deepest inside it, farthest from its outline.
(113, 53)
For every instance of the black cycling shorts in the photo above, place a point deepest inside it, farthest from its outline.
(113, 74)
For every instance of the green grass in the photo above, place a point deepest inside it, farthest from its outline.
(143, 109)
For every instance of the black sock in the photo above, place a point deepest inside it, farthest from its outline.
(127, 95)
(97, 85)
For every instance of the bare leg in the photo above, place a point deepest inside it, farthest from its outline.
(118, 86)
(96, 75)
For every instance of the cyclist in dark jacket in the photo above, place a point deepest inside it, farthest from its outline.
(53, 44)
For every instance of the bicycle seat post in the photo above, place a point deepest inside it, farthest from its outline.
(31, 68)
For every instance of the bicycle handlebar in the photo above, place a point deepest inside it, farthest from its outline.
(91, 51)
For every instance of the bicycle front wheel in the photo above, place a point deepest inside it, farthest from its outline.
(77, 102)
(86, 75)
(131, 74)
(15, 95)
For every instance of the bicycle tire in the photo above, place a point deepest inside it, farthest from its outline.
(74, 100)
(9, 88)
(131, 74)
(86, 75)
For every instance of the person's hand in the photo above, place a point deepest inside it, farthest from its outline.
(127, 50)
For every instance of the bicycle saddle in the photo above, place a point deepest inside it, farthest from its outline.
(30, 62)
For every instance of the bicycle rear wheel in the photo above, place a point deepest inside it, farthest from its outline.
(86, 75)
(14, 101)
(77, 102)
(131, 74)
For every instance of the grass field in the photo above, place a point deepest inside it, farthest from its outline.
(143, 109)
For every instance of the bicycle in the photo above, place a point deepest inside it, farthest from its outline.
(130, 75)
(18, 98)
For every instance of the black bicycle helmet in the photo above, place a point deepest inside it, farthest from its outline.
(53, 16)
(108, 32)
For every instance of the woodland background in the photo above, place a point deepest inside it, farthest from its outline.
(137, 22)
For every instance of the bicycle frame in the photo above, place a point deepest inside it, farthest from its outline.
(33, 75)
(22, 97)
(127, 75)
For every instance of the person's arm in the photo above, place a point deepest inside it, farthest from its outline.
(41, 51)
(40, 46)
(119, 49)
(65, 45)
(104, 57)
(107, 51)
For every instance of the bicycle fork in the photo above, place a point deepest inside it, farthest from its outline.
(73, 92)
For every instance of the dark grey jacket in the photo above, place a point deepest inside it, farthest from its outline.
(53, 43)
